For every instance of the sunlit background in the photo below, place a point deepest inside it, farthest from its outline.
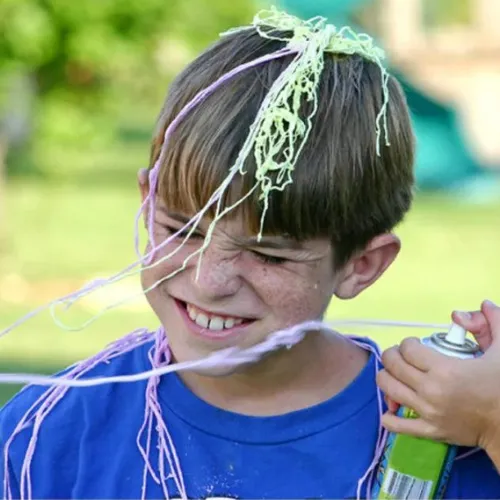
(81, 84)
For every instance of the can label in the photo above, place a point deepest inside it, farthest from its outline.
(413, 468)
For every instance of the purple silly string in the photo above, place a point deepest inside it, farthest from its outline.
(49, 399)
(159, 352)
(148, 418)
(137, 221)
(153, 181)
(159, 355)
(150, 199)
(160, 359)
(467, 453)
(200, 97)
(71, 298)
(382, 433)
(223, 360)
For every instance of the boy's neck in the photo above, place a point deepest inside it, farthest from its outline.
(311, 372)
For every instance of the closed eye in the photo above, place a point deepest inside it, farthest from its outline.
(270, 259)
(182, 234)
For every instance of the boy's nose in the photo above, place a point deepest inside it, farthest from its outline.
(217, 277)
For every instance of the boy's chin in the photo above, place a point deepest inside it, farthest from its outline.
(222, 366)
(218, 363)
(218, 371)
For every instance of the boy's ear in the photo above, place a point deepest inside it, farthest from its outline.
(367, 266)
(143, 182)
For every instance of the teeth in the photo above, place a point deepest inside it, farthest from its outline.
(213, 322)
(216, 323)
(191, 312)
(202, 320)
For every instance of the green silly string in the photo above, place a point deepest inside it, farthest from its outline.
(281, 132)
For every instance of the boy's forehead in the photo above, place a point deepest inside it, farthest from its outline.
(234, 227)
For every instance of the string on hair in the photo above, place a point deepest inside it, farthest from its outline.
(277, 132)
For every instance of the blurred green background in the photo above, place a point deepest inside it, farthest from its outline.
(81, 84)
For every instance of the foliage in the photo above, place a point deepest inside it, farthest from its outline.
(89, 62)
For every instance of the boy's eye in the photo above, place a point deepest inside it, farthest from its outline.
(182, 234)
(270, 259)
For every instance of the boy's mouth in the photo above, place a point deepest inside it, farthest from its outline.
(214, 322)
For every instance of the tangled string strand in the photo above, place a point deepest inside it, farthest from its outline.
(277, 137)
(219, 363)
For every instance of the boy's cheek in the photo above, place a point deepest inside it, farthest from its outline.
(168, 259)
(159, 272)
(298, 302)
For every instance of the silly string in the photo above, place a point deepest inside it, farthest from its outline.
(276, 139)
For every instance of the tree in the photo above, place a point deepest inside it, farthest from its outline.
(68, 68)
(73, 56)
(74, 53)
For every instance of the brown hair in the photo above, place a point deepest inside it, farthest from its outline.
(341, 191)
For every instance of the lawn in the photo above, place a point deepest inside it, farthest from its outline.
(60, 236)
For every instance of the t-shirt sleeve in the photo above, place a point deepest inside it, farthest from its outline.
(474, 477)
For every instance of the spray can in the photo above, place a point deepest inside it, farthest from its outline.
(416, 468)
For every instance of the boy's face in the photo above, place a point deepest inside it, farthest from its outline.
(244, 290)
(247, 289)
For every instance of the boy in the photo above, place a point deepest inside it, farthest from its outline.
(303, 422)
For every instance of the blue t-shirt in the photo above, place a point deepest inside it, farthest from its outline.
(87, 446)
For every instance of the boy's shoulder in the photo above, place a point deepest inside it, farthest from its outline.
(68, 405)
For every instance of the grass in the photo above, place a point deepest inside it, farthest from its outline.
(59, 236)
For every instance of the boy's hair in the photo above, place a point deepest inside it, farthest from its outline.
(342, 190)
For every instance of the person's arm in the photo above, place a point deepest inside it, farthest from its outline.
(458, 401)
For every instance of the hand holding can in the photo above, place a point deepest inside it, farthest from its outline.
(457, 401)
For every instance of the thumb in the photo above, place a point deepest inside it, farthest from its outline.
(476, 323)
(492, 315)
